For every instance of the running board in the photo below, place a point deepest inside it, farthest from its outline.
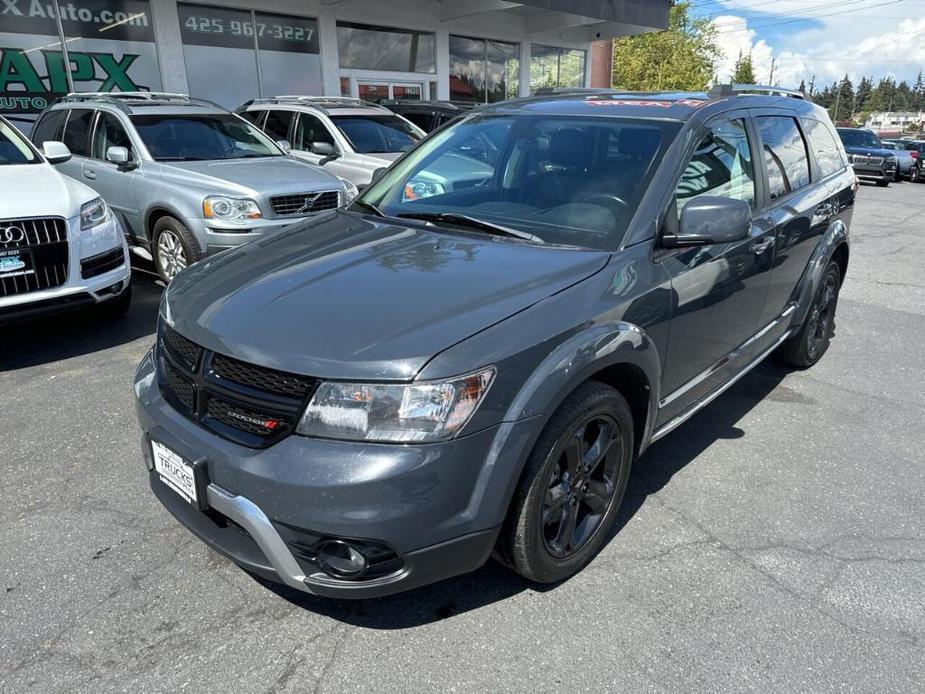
(673, 424)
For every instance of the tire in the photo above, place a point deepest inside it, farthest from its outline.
(809, 345)
(173, 248)
(114, 308)
(554, 487)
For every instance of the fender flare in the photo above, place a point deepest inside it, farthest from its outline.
(834, 238)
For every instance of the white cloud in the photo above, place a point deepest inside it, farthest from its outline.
(859, 47)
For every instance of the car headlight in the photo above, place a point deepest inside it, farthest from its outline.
(93, 213)
(230, 209)
(350, 192)
(415, 190)
(398, 413)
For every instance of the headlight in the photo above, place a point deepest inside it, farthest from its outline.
(420, 412)
(415, 190)
(350, 192)
(93, 213)
(230, 209)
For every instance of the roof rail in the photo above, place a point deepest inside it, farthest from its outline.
(721, 90)
(317, 101)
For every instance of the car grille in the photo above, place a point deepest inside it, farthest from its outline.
(38, 257)
(96, 265)
(304, 203)
(245, 403)
(867, 160)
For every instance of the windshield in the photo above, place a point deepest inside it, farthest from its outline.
(859, 138)
(176, 137)
(13, 147)
(565, 179)
(378, 134)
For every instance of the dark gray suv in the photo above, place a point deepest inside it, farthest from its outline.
(383, 397)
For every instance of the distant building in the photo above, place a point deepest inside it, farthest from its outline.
(889, 122)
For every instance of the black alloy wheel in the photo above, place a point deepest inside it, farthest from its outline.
(582, 483)
(572, 486)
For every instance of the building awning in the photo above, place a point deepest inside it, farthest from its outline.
(580, 20)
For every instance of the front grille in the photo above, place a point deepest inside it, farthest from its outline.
(35, 257)
(96, 265)
(304, 203)
(249, 404)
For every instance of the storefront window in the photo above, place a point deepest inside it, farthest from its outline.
(268, 54)
(365, 47)
(483, 71)
(551, 66)
(109, 43)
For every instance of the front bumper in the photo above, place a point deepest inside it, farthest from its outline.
(438, 507)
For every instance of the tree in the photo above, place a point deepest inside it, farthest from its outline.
(683, 57)
(744, 72)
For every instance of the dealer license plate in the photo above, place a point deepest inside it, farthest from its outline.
(174, 471)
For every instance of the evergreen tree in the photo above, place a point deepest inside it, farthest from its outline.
(744, 72)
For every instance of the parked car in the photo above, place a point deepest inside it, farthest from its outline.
(380, 399)
(905, 161)
(917, 149)
(870, 159)
(427, 115)
(186, 178)
(351, 137)
(60, 247)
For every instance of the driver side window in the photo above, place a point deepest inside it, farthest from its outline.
(722, 165)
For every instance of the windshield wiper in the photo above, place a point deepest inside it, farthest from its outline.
(369, 207)
(466, 220)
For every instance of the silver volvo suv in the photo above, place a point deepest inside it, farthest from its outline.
(185, 177)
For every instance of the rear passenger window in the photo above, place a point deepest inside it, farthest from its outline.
(277, 125)
(49, 128)
(828, 153)
(722, 166)
(784, 155)
(77, 130)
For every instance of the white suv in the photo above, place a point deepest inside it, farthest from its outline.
(352, 138)
(59, 245)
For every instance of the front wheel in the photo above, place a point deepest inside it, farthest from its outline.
(807, 347)
(572, 486)
(174, 248)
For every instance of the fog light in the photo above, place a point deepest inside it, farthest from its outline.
(340, 559)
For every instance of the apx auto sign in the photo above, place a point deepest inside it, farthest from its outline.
(110, 46)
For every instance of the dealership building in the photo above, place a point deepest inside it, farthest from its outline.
(465, 51)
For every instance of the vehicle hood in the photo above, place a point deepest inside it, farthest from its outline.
(871, 151)
(39, 190)
(348, 297)
(270, 175)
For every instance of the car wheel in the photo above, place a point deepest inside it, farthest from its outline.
(572, 486)
(807, 347)
(174, 248)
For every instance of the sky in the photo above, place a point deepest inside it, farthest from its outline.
(827, 38)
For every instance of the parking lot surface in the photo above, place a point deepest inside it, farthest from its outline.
(775, 542)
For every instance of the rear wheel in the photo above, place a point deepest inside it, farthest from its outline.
(174, 248)
(572, 486)
(807, 346)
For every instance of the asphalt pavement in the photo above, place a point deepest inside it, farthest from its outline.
(775, 542)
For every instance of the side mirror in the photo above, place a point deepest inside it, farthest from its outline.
(117, 155)
(707, 219)
(285, 146)
(55, 152)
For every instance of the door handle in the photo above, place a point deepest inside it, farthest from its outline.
(89, 173)
(762, 245)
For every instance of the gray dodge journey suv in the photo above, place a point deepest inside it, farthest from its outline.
(185, 177)
(383, 397)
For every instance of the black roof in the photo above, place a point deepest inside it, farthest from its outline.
(669, 105)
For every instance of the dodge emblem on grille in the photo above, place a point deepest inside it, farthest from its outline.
(12, 235)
